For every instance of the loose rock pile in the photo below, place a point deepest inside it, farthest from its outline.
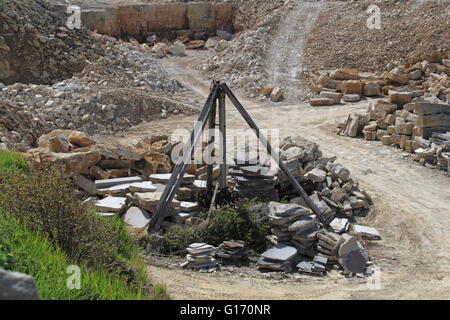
(311, 248)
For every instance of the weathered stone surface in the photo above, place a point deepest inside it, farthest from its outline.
(336, 96)
(74, 163)
(136, 217)
(353, 87)
(315, 102)
(371, 89)
(111, 204)
(434, 120)
(400, 98)
(280, 252)
(106, 183)
(177, 49)
(351, 97)
(145, 186)
(59, 144)
(316, 175)
(80, 139)
(345, 74)
(276, 94)
(17, 286)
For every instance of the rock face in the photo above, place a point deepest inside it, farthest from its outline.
(17, 286)
(136, 20)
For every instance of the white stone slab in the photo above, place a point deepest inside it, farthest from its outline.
(145, 186)
(111, 204)
(106, 183)
(136, 217)
(188, 206)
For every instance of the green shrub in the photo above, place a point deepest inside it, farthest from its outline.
(45, 202)
(31, 253)
(225, 223)
(12, 161)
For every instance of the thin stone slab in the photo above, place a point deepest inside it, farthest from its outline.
(182, 216)
(280, 252)
(165, 177)
(365, 232)
(149, 200)
(188, 206)
(120, 189)
(107, 214)
(287, 209)
(200, 184)
(302, 224)
(145, 186)
(256, 170)
(111, 204)
(136, 217)
(107, 183)
(285, 266)
(254, 181)
(339, 225)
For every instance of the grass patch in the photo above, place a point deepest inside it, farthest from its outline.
(31, 253)
(12, 161)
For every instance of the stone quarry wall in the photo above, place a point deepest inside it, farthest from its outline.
(203, 18)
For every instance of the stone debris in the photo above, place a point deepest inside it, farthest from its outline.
(278, 258)
(232, 251)
(200, 257)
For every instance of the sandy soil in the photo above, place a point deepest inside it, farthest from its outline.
(411, 211)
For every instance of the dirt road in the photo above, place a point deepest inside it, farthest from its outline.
(411, 211)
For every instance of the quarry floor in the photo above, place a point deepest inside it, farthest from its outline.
(411, 208)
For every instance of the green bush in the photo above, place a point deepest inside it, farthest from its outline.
(31, 253)
(12, 161)
(225, 223)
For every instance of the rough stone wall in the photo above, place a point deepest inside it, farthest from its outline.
(140, 20)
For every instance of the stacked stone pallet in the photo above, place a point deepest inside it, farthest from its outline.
(200, 257)
(425, 76)
(232, 251)
(253, 178)
(414, 125)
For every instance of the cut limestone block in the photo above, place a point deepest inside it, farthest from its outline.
(336, 96)
(351, 97)
(106, 183)
(353, 87)
(111, 204)
(372, 89)
(400, 98)
(314, 102)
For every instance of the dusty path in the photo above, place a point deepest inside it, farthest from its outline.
(285, 55)
(412, 212)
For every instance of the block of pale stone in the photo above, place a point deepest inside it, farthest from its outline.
(111, 204)
(106, 183)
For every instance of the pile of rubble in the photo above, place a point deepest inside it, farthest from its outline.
(122, 180)
(118, 90)
(328, 183)
(36, 46)
(312, 249)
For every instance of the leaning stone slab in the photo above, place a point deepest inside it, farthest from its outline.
(136, 217)
(111, 204)
(106, 183)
